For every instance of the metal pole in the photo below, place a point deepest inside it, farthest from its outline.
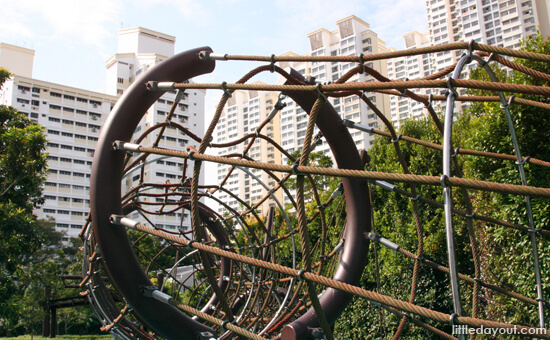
(447, 190)
(520, 162)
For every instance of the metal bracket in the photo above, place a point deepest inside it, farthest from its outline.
(206, 55)
(223, 86)
(125, 146)
(445, 181)
(486, 62)
(430, 99)
(456, 152)
(450, 87)
(453, 319)
(272, 58)
(351, 124)
(206, 336)
(316, 141)
(294, 170)
(524, 161)
(337, 191)
(397, 139)
(123, 221)
(224, 324)
(160, 85)
(384, 185)
(340, 246)
(362, 63)
(317, 333)
(383, 241)
(300, 275)
(510, 101)
(320, 92)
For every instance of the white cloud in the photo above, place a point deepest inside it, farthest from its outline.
(397, 17)
(390, 19)
(12, 20)
(72, 21)
(193, 10)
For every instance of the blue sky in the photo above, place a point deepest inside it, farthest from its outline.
(73, 38)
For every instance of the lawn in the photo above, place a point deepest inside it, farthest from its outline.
(65, 337)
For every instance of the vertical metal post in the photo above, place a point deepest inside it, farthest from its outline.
(447, 190)
(532, 231)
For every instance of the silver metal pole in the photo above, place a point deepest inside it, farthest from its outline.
(447, 190)
(520, 162)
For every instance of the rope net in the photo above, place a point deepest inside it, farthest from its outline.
(271, 264)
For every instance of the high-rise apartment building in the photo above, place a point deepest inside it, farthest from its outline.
(244, 111)
(242, 115)
(353, 36)
(502, 22)
(139, 49)
(492, 22)
(72, 119)
(409, 67)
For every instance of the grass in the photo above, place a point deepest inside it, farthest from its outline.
(65, 337)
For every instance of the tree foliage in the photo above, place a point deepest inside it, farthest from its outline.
(390, 273)
(506, 254)
(22, 172)
(32, 256)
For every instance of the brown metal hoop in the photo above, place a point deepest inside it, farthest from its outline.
(120, 262)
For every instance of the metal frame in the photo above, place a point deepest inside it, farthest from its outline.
(120, 262)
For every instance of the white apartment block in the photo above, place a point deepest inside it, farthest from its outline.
(493, 22)
(409, 67)
(503, 22)
(71, 118)
(241, 116)
(138, 50)
(352, 37)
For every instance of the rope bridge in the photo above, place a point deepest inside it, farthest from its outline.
(245, 275)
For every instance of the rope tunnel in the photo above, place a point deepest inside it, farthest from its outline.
(290, 272)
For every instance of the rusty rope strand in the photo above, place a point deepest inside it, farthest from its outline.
(395, 177)
(302, 219)
(398, 304)
(370, 86)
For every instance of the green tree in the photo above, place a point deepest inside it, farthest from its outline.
(22, 173)
(388, 272)
(507, 253)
